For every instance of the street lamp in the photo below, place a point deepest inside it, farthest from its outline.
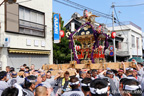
(9, 1)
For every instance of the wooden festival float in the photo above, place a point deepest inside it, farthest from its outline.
(89, 53)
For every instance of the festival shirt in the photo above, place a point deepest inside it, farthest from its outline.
(3, 86)
(100, 76)
(139, 79)
(8, 76)
(141, 72)
(142, 85)
(116, 81)
(52, 84)
(18, 80)
(47, 84)
(113, 90)
(75, 92)
(51, 81)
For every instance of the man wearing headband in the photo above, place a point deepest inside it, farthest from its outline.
(88, 74)
(140, 71)
(139, 67)
(129, 72)
(112, 76)
(14, 76)
(94, 74)
(27, 68)
(131, 87)
(121, 73)
(30, 84)
(82, 75)
(26, 74)
(52, 79)
(43, 75)
(99, 87)
(74, 84)
(3, 84)
(137, 76)
(85, 84)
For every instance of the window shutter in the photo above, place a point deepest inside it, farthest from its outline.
(12, 17)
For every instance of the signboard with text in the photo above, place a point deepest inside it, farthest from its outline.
(56, 28)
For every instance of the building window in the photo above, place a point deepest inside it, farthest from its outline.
(31, 22)
(133, 41)
(137, 42)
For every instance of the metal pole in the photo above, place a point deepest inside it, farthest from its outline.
(71, 54)
(137, 46)
(113, 31)
(72, 30)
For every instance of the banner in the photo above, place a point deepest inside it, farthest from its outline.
(56, 28)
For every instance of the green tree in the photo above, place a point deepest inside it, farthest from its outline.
(61, 51)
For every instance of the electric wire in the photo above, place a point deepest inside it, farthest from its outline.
(68, 5)
(82, 8)
(119, 22)
(130, 5)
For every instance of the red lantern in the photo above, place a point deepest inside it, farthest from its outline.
(78, 47)
(99, 29)
(113, 35)
(62, 33)
(85, 13)
(100, 47)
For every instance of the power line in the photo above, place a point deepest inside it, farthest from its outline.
(92, 10)
(84, 7)
(130, 5)
(119, 22)
(81, 7)
(107, 18)
(68, 5)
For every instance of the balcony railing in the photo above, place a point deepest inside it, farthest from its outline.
(31, 28)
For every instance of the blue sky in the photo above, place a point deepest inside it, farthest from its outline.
(134, 14)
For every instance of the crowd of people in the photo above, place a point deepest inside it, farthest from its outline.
(93, 82)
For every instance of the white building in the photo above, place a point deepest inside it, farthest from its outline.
(132, 42)
(26, 33)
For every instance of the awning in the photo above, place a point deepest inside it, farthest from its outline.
(27, 51)
(138, 59)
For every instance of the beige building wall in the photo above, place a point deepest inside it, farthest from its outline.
(20, 41)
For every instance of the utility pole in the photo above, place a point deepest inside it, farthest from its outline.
(72, 30)
(113, 31)
(71, 54)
